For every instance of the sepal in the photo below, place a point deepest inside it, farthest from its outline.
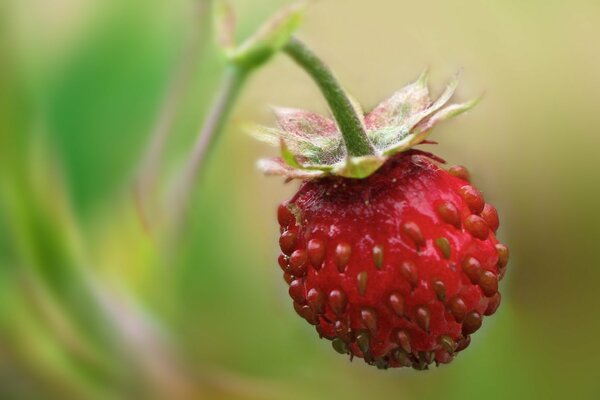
(312, 145)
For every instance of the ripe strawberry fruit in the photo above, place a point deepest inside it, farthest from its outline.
(391, 257)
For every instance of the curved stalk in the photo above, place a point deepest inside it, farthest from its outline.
(349, 122)
(232, 83)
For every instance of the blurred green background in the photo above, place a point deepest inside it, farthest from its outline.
(94, 306)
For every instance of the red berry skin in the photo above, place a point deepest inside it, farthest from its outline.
(382, 287)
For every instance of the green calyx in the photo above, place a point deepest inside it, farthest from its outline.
(352, 144)
(314, 146)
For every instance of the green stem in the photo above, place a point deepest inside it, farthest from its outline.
(146, 182)
(179, 81)
(348, 120)
(231, 85)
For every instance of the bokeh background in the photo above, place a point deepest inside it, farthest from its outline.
(93, 305)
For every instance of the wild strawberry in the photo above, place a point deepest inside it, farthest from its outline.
(392, 258)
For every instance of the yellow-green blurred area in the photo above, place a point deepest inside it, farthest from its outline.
(94, 306)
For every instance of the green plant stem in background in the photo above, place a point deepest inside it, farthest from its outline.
(179, 81)
(345, 114)
(230, 88)
(233, 80)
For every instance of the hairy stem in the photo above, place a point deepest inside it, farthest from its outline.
(349, 122)
(231, 85)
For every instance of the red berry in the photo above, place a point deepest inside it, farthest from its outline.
(398, 268)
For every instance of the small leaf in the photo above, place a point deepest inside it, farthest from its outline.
(444, 97)
(288, 156)
(423, 130)
(269, 39)
(392, 139)
(445, 113)
(401, 105)
(263, 133)
(313, 139)
(304, 123)
(306, 144)
(276, 166)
